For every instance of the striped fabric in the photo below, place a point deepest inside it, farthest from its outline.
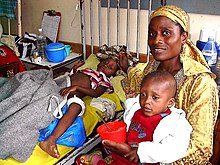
(98, 78)
(7, 8)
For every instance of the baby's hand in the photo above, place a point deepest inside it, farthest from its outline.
(119, 148)
(132, 156)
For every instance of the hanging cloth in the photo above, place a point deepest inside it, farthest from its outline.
(7, 8)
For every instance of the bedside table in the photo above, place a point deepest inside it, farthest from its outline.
(57, 68)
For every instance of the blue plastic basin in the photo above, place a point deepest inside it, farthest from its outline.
(55, 52)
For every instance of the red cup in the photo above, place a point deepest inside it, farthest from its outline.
(116, 133)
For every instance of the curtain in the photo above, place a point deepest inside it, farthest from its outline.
(7, 8)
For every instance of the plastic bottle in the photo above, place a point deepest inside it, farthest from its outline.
(41, 44)
(210, 53)
(217, 66)
(1, 31)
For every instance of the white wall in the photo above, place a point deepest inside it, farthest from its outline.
(32, 11)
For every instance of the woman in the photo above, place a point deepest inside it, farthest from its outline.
(197, 93)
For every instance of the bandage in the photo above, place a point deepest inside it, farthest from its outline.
(79, 101)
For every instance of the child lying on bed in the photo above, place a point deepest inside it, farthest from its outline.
(86, 82)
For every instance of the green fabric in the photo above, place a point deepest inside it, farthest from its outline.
(1, 44)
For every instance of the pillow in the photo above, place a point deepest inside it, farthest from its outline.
(91, 62)
(116, 83)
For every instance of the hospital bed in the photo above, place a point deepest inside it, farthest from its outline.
(90, 120)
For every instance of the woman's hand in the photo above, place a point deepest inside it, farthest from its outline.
(67, 90)
(123, 61)
(131, 94)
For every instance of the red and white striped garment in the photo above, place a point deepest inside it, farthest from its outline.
(98, 78)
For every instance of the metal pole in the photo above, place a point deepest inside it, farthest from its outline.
(149, 13)
(91, 25)
(108, 23)
(100, 23)
(118, 21)
(128, 25)
(83, 30)
(9, 27)
(138, 29)
(19, 18)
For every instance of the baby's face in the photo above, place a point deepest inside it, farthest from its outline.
(108, 66)
(154, 97)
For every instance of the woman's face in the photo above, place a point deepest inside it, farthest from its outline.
(165, 39)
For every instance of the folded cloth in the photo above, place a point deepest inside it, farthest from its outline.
(104, 105)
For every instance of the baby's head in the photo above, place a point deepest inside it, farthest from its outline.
(157, 92)
(109, 66)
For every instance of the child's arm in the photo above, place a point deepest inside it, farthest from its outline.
(76, 66)
(123, 149)
(119, 148)
(81, 91)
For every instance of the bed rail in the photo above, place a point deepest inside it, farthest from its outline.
(107, 30)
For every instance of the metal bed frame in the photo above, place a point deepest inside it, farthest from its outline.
(100, 28)
(93, 141)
